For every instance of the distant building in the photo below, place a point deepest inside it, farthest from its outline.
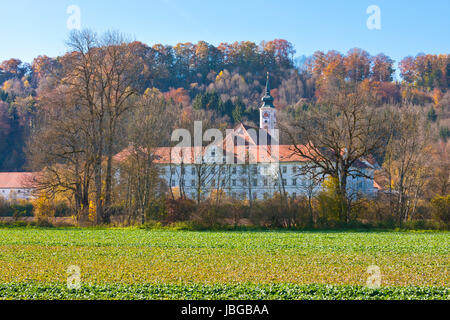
(16, 185)
(260, 167)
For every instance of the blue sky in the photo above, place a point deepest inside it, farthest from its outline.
(30, 28)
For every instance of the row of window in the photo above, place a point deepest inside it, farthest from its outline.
(243, 170)
(242, 182)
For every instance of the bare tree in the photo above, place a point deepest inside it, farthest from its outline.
(59, 149)
(150, 126)
(334, 136)
(405, 159)
(101, 72)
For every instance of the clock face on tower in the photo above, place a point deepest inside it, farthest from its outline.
(265, 115)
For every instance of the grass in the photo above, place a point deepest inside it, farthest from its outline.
(219, 291)
(163, 264)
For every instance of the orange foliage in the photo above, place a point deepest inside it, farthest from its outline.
(178, 96)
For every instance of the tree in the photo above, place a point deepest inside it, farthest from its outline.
(101, 72)
(150, 126)
(382, 68)
(357, 64)
(406, 160)
(334, 136)
(59, 149)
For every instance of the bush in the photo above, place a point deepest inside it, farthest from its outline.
(282, 212)
(441, 209)
(209, 215)
(16, 209)
(169, 211)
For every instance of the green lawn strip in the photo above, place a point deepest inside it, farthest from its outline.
(36, 291)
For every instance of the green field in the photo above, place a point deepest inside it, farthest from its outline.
(162, 264)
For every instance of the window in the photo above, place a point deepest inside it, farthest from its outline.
(255, 182)
(183, 170)
(223, 183)
(173, 183)
(213, 170)
(233, 171)
(244, 182)
(265, 182)
(255, 170)
(172, 170)
(294, 169)
(284, 169)
(233, 183)
(265, 170)
(213, 153)
(244, 170)
(192, 183)
(294, 182)
(284, 182)
(222, 170)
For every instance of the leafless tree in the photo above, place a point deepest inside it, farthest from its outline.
(333, 136)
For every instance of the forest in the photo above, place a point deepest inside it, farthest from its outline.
(68, 116)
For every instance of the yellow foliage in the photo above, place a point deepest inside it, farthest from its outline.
(92, 211)
(42, 207)
(219, 76)
(6, 85)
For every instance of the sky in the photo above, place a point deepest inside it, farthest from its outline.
(31, 28)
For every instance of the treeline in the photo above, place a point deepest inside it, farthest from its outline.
(228, 81)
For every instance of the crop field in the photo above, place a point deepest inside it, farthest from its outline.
(162, 264)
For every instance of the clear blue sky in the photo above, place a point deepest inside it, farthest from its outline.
(30, 27)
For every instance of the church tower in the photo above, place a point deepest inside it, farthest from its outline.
(268, 113)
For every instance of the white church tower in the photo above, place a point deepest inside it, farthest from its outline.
(268, 113)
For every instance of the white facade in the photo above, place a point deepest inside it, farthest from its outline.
(251, 181)
(15, 193)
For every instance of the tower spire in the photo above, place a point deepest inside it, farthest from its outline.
(268, 85)
(268, 99)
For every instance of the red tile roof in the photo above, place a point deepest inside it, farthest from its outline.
(261, 154)
(16, 180)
